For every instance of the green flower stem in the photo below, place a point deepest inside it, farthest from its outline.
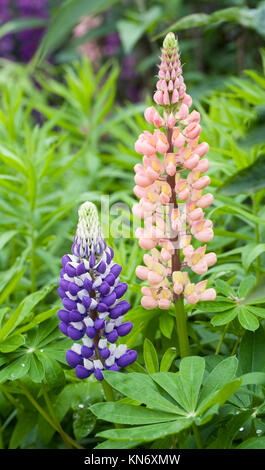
(221, 339)
(32, 254)
(181, 320)
(197, 436)
(109, 395)
(108, 392)
(235, 347)
(10, 398)
(256, 200)
(44, 414)
(63, 435)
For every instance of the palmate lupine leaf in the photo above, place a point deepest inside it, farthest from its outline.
(38, 357)
(234, 304)
(195, 399)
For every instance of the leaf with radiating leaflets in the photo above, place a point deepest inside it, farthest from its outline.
(128, 414)
(247, 319)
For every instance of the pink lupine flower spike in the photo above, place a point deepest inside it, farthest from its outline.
(170, 178)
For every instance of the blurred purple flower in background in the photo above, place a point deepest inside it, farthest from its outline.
(129, 75)
(22, 45)
(30, 38)
(7, 42)
(112, 42)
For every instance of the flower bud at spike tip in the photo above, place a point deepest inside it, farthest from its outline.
(171, 149)
(91, 293)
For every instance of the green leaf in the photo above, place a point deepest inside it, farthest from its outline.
(23, 309)
(191, 371)
(21, 24)
(237, 209)
(224, 318)
(12, 160)
(136, 367)
(166, 325)
(25, 423)
(6, 237)
(253, 378)
(83, 422)
(220, 397)
(131, 31)
(246, 286)
(150, 357)
(167, 359)
(257, 294)
(216, 306)
(224, 288)
(11, 284)
(40, 318)
(252, 254)
(221, 374)
(259, 19)
(247, 319)
(239, 15)
(53, 372)
(15, 369)
(172, 384)
(36, 370)
(227, 434)
(12, 343)
(253, 443)
(251, 351)
(250, 179)
(66, 17)
(139, 387)
(257, 311)
(128, 414)
(191, 21)
(109, 444)
(147, 433)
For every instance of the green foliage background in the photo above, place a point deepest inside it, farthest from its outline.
(84, 148)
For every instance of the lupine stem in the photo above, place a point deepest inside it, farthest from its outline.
(109, 395)
(108, 392)
(32, 254)
(221, 339)
(44, 414)
(257, 232)
(197, 436)
(181, 318)
(63, 435)
(235, 347)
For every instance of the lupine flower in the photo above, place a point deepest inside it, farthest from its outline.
(89, 48)
(112, 42)
(161, 183)
(30, 38)
(91, 293)
(6, 42)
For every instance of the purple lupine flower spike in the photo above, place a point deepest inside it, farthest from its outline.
(91, 293)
